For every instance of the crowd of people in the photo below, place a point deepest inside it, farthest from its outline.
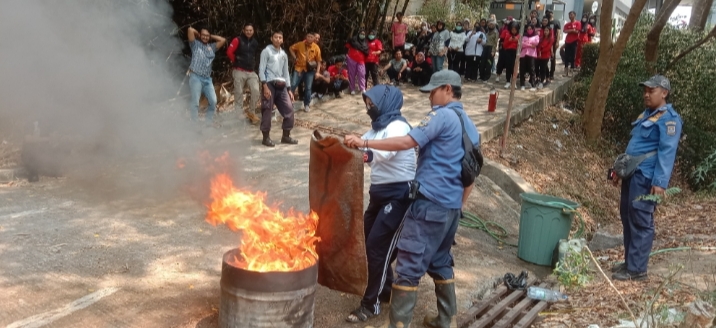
(475, 52)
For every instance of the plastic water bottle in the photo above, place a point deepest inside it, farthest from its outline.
(542, 294)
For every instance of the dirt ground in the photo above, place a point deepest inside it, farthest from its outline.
(549, 152)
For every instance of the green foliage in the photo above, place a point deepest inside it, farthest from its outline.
(657, 198)
(434, 10)
(590, 54)
(693, 82)
(576, 96)
(573, 271)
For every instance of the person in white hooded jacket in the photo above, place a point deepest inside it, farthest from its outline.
(473, 52)
(456, 54)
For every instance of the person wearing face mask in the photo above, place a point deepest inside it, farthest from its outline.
(544, 53)
(421, 71)
(572, 29)
(583, 38)
(456, 52)
(390, 175)
(375, 48)
(556, 33)
(488, 51)
(473, 53)
(528, 54)
(357, 53)
(438, 50)
(509, 54)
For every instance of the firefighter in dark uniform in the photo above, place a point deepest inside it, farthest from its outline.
(428, 230)
(654, 140)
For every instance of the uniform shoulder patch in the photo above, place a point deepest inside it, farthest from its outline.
(671, 128)
(640, 116)
(425, 120)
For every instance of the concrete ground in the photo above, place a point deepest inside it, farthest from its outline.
(128, 248)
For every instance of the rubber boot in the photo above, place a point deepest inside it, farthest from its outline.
(286, 138)
(447, 306)
(402, 303)
(267, 139)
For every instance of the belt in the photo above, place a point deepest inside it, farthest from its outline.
(421, 196)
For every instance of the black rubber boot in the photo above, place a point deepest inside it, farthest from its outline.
(402, 303)
(286, 139)
(447, 306)
(267, 139)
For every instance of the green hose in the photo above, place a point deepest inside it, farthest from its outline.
(569, 209)
(470, 220)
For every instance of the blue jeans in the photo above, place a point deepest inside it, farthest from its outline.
(425, 241)
(307, 79)
(197, 85)
(438, 63)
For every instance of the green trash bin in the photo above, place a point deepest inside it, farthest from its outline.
(543, 222)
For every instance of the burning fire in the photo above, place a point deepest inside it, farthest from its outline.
(271, 241)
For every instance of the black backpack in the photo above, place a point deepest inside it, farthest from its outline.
(473, 160)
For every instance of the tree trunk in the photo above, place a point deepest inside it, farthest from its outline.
(609, 55)
(700, 14)
(382, 19)
(405, 6)
(651, 48)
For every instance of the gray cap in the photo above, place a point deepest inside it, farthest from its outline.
(441, 78)
(657, 81)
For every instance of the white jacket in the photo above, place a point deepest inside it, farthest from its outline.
(457, 40)
(473, 48)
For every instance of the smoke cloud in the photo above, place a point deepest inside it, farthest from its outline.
(95, 71)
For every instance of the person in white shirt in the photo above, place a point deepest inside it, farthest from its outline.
(473, 53)
(390, 178)
(456, 54)
(274, 77)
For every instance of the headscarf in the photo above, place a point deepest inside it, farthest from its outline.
(418, 56)
(358, 44)
(389, 100)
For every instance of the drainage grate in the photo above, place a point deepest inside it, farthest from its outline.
(503, 309)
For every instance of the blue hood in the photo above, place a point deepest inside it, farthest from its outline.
(389, 101)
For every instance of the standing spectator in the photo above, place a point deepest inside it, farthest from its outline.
(503, 33)
(456, 50)
(528, 54)
(423, 44)
(509, 54)
(391, 173)
(428, 230)
(375, 48)
(468, 30)
(321, 81)
(357, 53)
(396, 67)
(593, 27)
(466, 25)
(571, 28)
(242, 54)
(202, 55)
(488, 51)
(556, 32)
(582, 38)
(274, 76)
(483, 25)
(438, 49)
(399, 30)
(339, 77)
(544, 53)
(306, 55)
(534, 22)
(473, 53)
(533, 15)
(653, 145)
(421, 71)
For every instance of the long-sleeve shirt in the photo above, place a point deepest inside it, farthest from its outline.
(493, 38)
(473, 48)
(273, 65)
(457, 40)
(437, 44)
(529, 46)
(391, 166)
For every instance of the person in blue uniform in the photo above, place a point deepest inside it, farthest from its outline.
(390, 175)
(655, 134)
(428, 230)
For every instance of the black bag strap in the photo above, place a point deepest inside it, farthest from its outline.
(465, 145)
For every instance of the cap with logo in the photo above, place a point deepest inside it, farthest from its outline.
(657, 81)
(442, 78)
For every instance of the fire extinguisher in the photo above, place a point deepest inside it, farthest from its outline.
(492, 104)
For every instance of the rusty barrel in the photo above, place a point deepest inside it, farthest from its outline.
(266, 299)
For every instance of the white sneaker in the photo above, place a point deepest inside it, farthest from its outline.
(540, 86)
(273, 119)
(522, 88)
(507, 85)
(353, 93)
(306, 108)
(533, 89)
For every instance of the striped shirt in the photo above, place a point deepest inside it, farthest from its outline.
(201, 57)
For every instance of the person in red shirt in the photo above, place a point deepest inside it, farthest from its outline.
(399, 30)
(509, 53)
(242, 53)
(571, 28)
(544, 53)
(583, 38)
(357, 53)
(375, 48)
(339, 77)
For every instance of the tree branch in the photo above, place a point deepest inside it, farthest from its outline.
(692, 48)
(651, 48)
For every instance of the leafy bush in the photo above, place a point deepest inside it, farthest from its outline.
(434, 10)
(576, 96)
(693, 82)
(590, 54)
(574, 270)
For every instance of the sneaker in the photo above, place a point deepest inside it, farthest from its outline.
(497, 79)
(353, 93)
(522, 88)
(507, 85)
(338, 95)
(627, 275)
(273, 119)
(540, 86)
(533, 89)
(320, 96)
(619, 267)
(314, 95)
(307, 108)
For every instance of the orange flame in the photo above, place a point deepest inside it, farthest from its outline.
(270, 241)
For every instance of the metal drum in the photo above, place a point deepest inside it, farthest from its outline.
(252, 299)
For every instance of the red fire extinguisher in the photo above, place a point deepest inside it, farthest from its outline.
(492, 104)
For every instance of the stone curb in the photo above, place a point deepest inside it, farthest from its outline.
(507, 179)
